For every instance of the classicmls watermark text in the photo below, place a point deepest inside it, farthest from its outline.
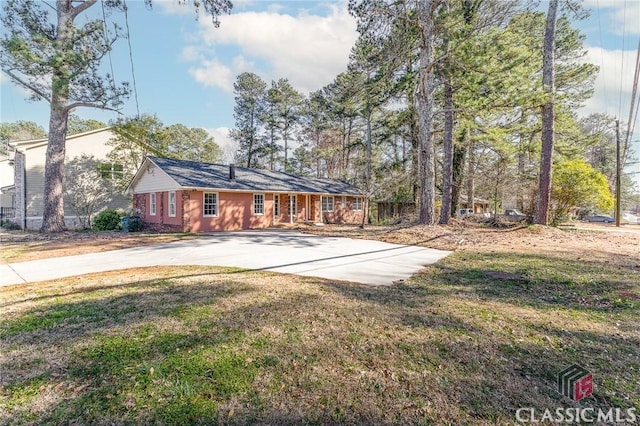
(576, 383)
(577, 415)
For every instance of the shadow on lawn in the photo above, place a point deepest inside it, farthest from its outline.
(541, 281)
(232, 348)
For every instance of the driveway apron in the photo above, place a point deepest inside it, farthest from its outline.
(336, 258)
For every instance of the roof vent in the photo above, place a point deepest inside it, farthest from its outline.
(232, 172)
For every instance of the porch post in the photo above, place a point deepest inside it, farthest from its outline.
(291, 209)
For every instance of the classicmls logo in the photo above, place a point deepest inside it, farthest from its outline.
(575, 382)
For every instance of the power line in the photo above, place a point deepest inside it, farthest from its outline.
(624, 24)
(631, 126)
(604, 79)
(133, 73)
(106, 40)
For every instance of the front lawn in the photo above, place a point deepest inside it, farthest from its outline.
(467, 341)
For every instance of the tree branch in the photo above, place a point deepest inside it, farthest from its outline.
(77, 10)
(27, 85)
(89, 105)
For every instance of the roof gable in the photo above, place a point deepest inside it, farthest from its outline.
(192, 174)
(33, 143)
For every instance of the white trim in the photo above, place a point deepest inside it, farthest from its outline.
(361, 204)
(217, 204)
(253, 203)
(175, 204)
(142, 170)
(333, 206)
(293, 202)
(179, 187)
(153, 204)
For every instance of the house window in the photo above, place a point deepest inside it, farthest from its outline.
(357, 203)
(327, 203)
(172, 204)
(152, 204)
(276, 205)
(110, 170)
(258, 204)
(210, 204)
(343, 202)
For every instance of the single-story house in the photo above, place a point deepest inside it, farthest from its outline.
(23, 185)
(479, 205)
(190, 196)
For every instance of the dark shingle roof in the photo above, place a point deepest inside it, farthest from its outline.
(216, 176)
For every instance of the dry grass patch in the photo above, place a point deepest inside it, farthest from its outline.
(19, 246)
(467, 341)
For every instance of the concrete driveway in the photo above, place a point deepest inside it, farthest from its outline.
(363, 261)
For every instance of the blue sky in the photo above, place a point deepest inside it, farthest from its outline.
(185, 68)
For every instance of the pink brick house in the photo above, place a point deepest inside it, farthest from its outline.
(190, 196)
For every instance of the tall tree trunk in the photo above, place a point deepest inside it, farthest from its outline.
(53, 200)
(447, 172)
(286, 151)
(459, 153)
(426, 83)
(414, 133)
(471, 175)
(521, 181)
(548, 117)
(369, 156)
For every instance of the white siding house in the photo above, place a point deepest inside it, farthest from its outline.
(28, 160)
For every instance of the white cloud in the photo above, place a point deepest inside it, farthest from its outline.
(172, 7)
(616, 16)
(227, 146)
(213, 73)
(614, 83)
(190, 54)
(308, 49)
(626, 18)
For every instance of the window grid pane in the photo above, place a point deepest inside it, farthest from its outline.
(258, 203)
(210, 204)
(172, 204)
(276, 205)
(152, 204)
(327, 204)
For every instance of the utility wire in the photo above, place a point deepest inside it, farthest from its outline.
(133, 73)
(604, 80)
(624, 24)
(632, 117)
(106, 40)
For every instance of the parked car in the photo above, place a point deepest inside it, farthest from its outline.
(600, 218)
(515, 215)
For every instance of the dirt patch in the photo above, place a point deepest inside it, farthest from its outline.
(606, 246)
(592, 243)
(19, 246)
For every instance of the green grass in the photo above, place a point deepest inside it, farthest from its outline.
(467, 341)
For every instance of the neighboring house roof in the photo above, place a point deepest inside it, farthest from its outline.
(196, 175)
(33, 143)
(463, 198)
